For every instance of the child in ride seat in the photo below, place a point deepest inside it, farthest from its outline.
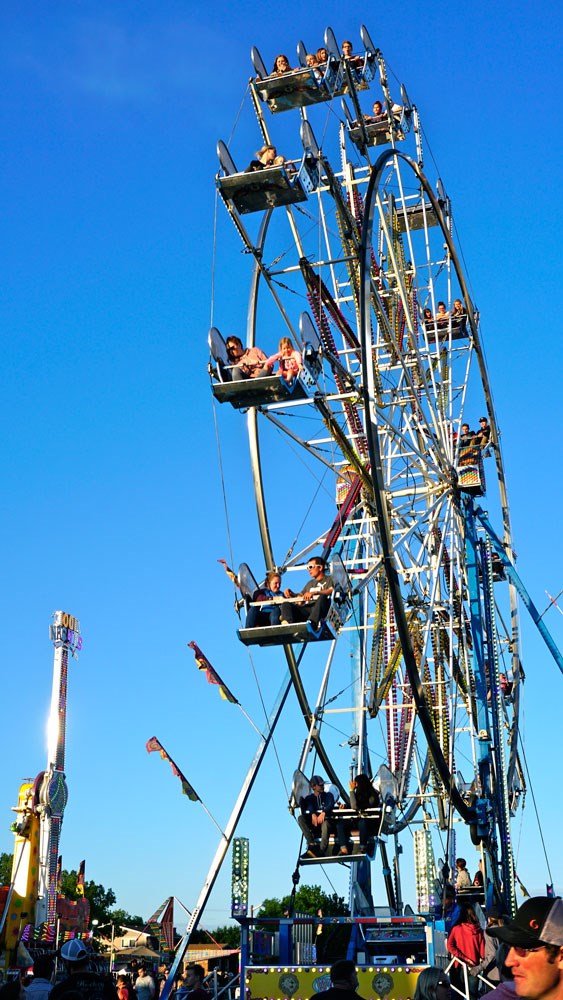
(290, 360)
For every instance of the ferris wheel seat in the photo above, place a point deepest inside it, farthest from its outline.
(442, 332)
(262, 189)
(268, 390)
(417, 216)
(356, 850)
(280, 635)
(334, 857)
(470, 471)
(378, 134)
(301, 87)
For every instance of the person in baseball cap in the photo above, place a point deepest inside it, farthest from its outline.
(539, 921)
(535, 940)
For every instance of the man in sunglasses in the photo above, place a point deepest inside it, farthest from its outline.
(315, 598)
(535, 941)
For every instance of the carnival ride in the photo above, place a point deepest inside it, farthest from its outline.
(30, 909)
(351, 262)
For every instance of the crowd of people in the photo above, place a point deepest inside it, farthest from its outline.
(80, 980)
(512, 959)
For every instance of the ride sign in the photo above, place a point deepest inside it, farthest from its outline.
(66, 629)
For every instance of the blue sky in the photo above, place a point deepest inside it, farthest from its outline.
(112, 505)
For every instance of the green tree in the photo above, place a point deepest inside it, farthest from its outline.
(308, 899)
(121, 918)
(332, 942)
(6, 868)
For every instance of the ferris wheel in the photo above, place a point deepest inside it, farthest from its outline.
(363, 458)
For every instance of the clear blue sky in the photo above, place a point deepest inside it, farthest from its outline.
(112, 503)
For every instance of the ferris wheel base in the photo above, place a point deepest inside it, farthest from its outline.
(280, 635)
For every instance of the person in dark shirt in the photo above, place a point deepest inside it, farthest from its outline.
(81, 984)
(316, 598)
(483, 435)
(192, 988)
(316, 812)
(266, 156)
(345, 982)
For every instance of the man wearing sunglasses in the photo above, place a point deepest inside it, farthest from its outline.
(535, 940)
(315, 598)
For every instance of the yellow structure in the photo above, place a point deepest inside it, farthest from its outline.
(293, 982)
(20, 905)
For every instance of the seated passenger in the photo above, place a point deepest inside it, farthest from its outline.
(315, 598)
(269, 615)
(442, 316)
(347, 54)
(281, 66)
(245, 363)
(362, 796)
(467, 437)
(428, 318)
(311, 60)
(265, 157)
(316, 812)
(478, 879)
(290, 360)
(321, 56)
(458, 312)
(483, 435)
(378, 114)
(462, 876)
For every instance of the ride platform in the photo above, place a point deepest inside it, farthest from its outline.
(298, 89)
(417, 217)
(262, 189)
(262, 391)
(442, 332)
(333, 855)
(376, 816)
(279, 635)
(378, 134)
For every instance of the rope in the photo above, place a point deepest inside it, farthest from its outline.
(257, 682)
(223, 490)
(214, 260)
(536, 811)
(234, 128)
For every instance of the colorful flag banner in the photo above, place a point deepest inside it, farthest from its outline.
(153, 745)
(230, 573)
(211, 674)
(80, 878)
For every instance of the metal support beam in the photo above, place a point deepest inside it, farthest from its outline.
(227, 836)
(515, 579)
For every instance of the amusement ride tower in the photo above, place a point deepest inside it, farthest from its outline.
(52, 787)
